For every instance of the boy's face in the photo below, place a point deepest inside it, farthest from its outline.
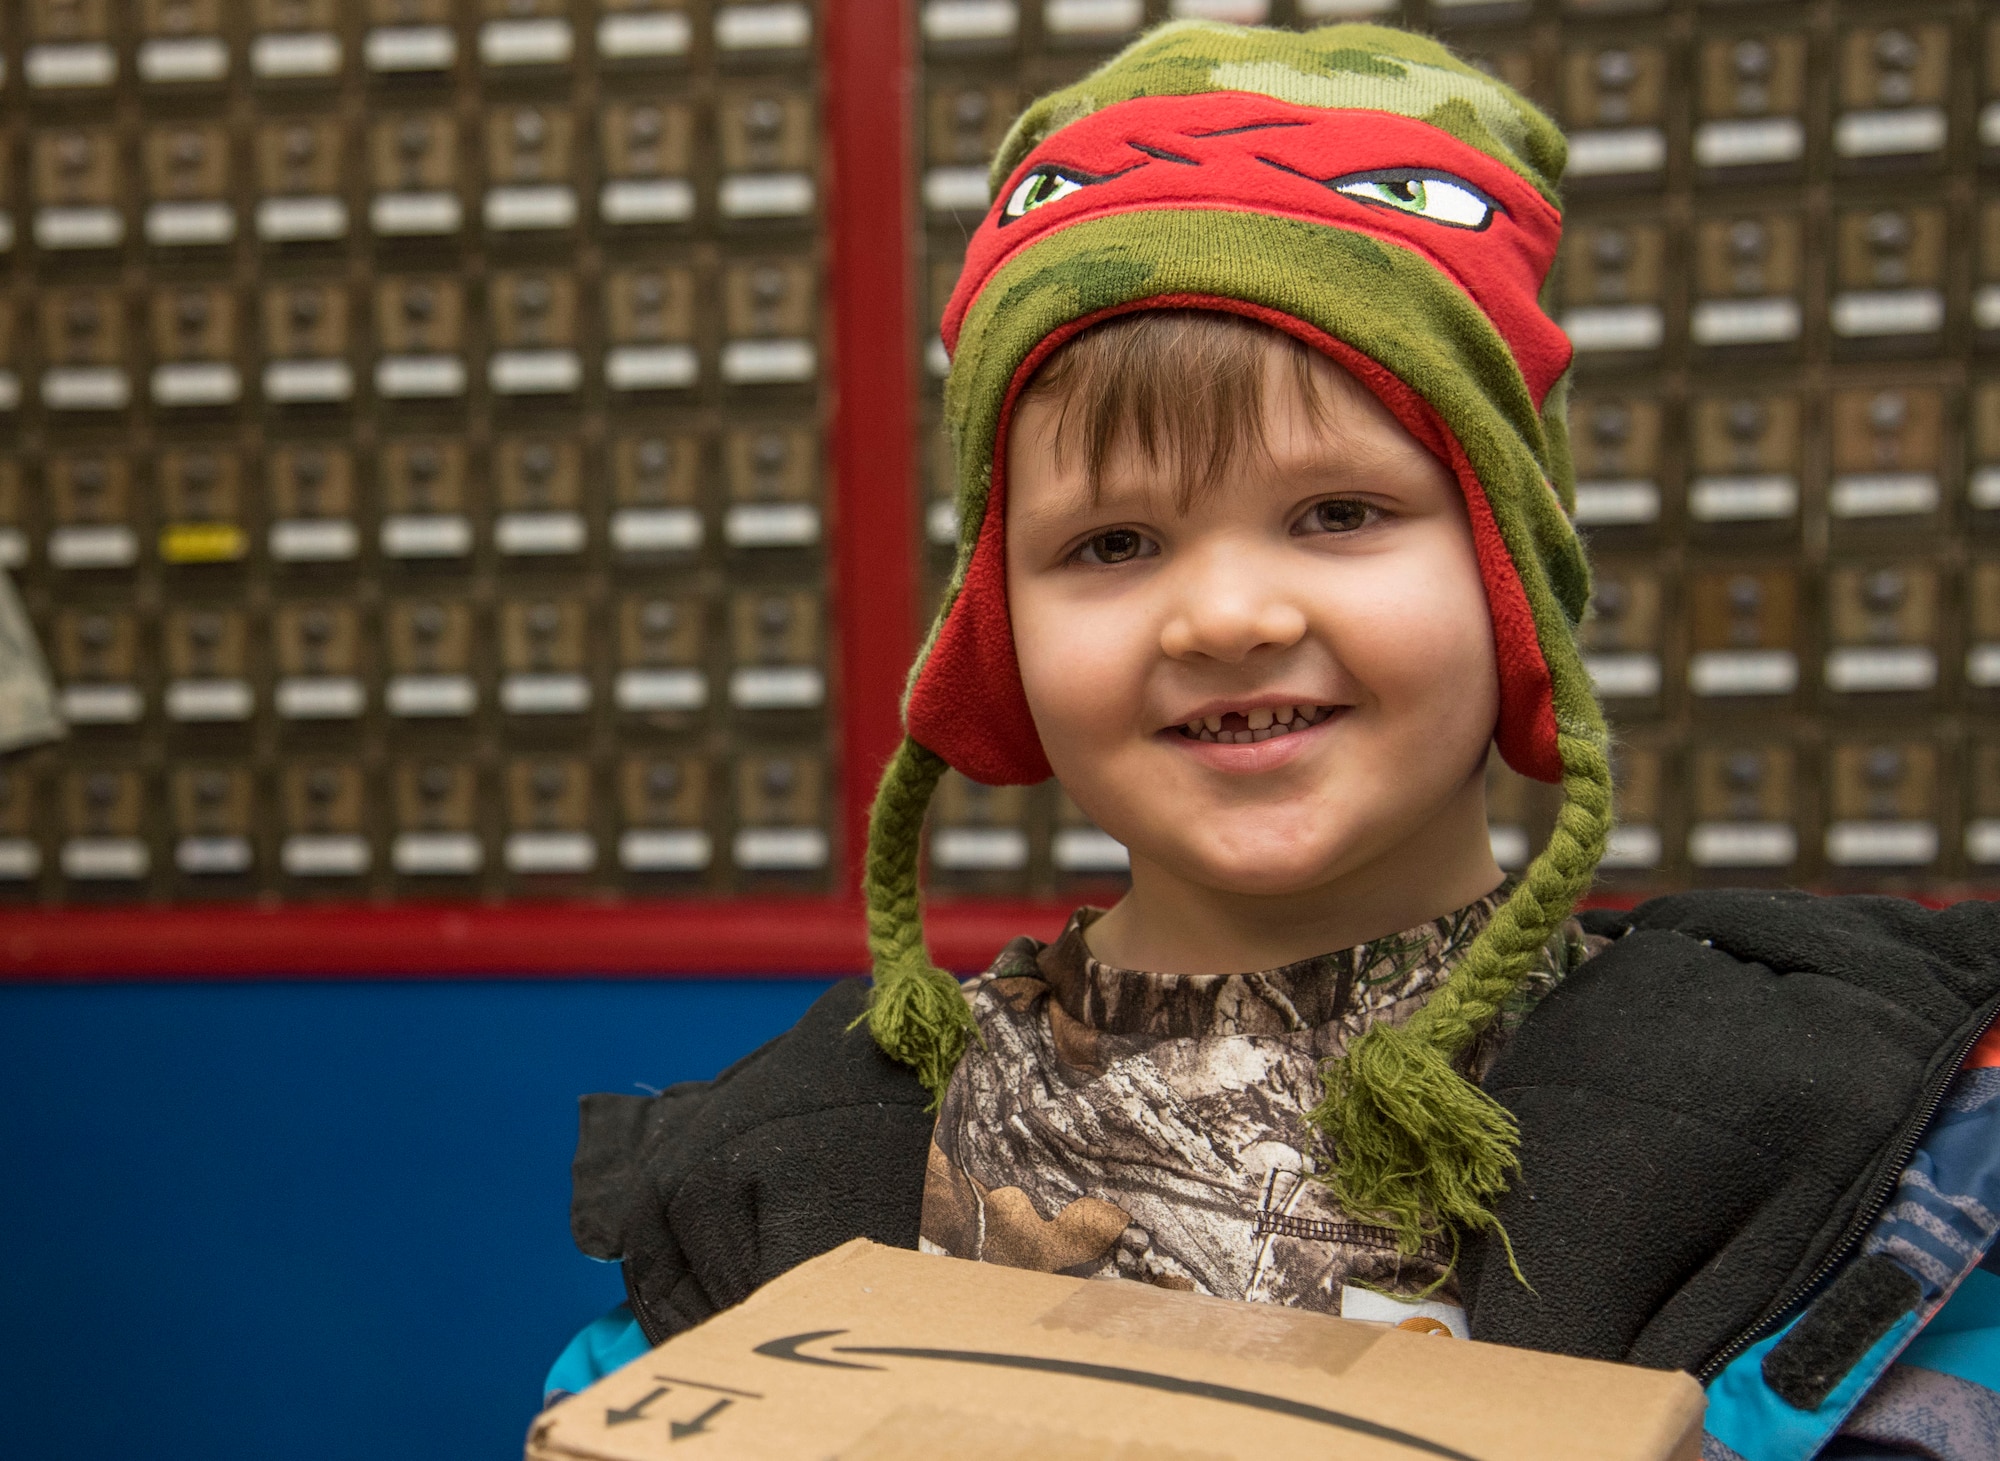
(1316, 616)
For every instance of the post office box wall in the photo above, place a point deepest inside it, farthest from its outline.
(365, 382)
(454, 260)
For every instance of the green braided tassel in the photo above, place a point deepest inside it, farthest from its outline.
(915, 1011)
(1417, 1147)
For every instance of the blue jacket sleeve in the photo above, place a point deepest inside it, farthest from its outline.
(608, 1343)
(1963, 1338)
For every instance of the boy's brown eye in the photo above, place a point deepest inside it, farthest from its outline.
(1340, 517)
(1120, 545)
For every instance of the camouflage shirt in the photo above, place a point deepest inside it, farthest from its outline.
(1121, 1124)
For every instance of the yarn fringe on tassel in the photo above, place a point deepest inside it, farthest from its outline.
(1417, 1147)
(915, 1010)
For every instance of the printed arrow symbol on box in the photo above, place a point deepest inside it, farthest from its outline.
(680, 1430)
(636, 1410)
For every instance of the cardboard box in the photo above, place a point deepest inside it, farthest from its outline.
(880, 1354)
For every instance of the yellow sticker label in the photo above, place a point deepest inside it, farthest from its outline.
(202, 542)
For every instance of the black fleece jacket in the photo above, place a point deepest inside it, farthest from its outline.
(1709, 1110)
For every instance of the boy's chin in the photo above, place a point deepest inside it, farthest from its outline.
(1250, 869)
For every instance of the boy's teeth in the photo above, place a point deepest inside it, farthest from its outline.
(1263, 724)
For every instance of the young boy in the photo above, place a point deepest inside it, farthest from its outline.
(1260, 432)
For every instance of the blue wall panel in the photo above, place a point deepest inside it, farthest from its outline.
(316, 1222)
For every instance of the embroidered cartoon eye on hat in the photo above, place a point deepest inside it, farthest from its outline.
(1366, 192)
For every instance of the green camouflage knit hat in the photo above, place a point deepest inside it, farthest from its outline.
(1368, 193)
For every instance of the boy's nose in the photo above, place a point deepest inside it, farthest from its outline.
(1228, 616)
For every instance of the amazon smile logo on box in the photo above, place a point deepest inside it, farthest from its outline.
(881, 1354)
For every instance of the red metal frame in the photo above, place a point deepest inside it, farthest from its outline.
(802, 936)
(867, 81)
(868, 84)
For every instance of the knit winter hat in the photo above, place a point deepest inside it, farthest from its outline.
(1366, 192)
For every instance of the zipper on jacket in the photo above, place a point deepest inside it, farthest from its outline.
(1864, 1217)
(638, 1306)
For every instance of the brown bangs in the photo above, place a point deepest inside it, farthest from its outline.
(1185, 387)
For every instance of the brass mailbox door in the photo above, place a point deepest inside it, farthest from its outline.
(1620, 634)
(312, 497)
(1745, 804)
(1613, 263)
(779, 791)
(548, 794)
(198, 485)
(1748, 459)
(1745, 632)
(1889, 248)
(539, 473)
(771, 464)
(187, 160)
(776, 627)
(655, 469)
(424, 476)
(206, 642)
(214, 815)
(305, 319)
(663, 803)
(414, 152)
(979, 835)
(318, 639)
(766, 128)
(107, 801)
(1755, 75)
(299, 155)
(659, 629)
(1884, 804)
(420, 315)
(646, 138)
(769, 297)
(663, 791)
(436, 796)
(965, 123)
(1887, 452)
(83, 326)
(321, 798)
(1982, 797)
(1642, 804)
(644, 305)
(430, 637)
(69, 20)
(1613, 86)
(1883, 628)
(194, 322)
(530, 144)
(532, 309)
(76, 166)
(96, 645)
(1894, 65)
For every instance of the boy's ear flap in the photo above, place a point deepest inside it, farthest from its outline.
(967, 703)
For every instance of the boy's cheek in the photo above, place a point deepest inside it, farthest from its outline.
(1083, 700)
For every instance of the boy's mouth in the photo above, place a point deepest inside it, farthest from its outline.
(1246, 727)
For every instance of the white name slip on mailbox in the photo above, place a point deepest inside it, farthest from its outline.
(886, 1354)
